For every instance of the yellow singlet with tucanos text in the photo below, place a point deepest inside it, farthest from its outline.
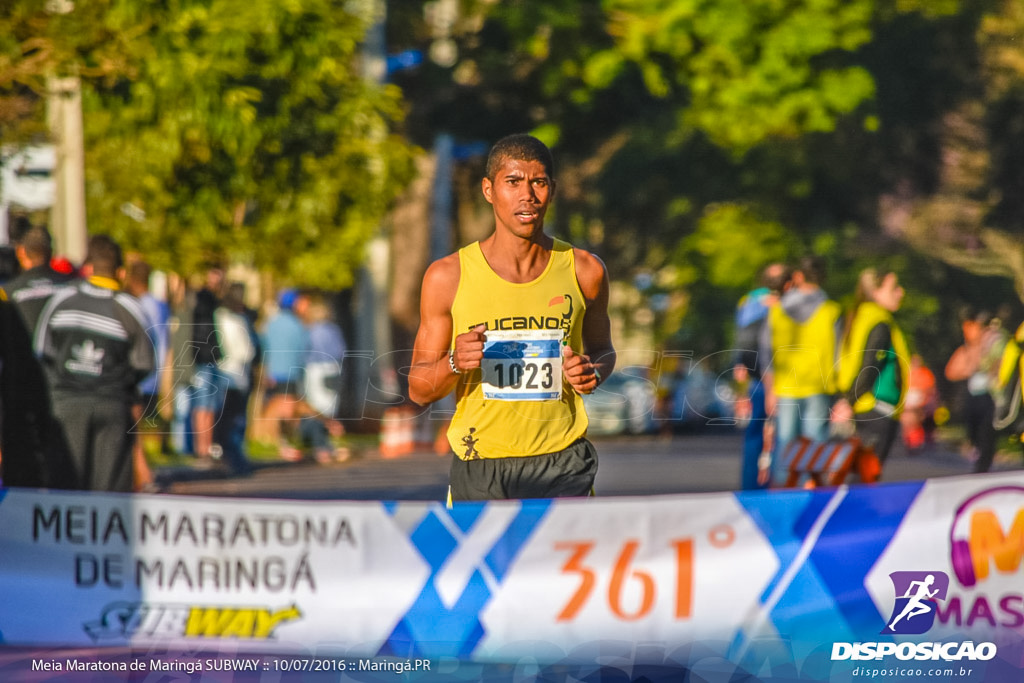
(516, 405)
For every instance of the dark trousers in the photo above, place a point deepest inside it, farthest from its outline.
(314, 433)
(753, 438)
(229, 431)
(97, 433)
(877, 431)
(979, 412)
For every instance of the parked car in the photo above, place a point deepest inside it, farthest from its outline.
(623, 404)
(702, 397)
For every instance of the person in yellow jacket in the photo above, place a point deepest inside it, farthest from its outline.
(874, 365)
(800, 340)
(517, 325)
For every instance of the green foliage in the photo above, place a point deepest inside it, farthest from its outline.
(714, 100)
(705, 136)
(248, 133)
(237, 129)
(750, 70)
(730, 244)
(41, 40)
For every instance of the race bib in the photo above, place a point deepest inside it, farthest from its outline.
(522, 365)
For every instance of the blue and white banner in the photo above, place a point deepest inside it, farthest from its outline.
(894, 582)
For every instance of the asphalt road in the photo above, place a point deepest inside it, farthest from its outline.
(649, 465)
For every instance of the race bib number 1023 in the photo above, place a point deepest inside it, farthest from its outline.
(522, 365)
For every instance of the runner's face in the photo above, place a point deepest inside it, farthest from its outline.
(520, 194)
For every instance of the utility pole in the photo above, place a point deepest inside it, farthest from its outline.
(64, 114)
(68, 214)
(374, 375)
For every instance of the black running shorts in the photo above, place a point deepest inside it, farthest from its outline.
(566, 473)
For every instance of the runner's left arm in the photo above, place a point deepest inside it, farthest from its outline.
(587, 370)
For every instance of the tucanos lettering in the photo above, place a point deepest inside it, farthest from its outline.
(524, 322)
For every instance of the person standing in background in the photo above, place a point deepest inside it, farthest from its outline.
(146, 412)
(29, 292)
(238, 346)
(874, 363)
(33, 287)
(285, 348)
(751, 317)
(208, 385)
(800, 342)
(976, 363)
(917, 422)
(94, 349)
(181, 362)
(323, 364)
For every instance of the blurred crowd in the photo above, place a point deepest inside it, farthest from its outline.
(104, 363)
(108, 362)
(818, 375)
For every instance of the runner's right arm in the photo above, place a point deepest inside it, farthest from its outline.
(431, 376)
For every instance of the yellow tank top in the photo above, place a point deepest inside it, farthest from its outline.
(804, 354)
(493, 428)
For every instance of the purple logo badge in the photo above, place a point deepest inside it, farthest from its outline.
(917, 598)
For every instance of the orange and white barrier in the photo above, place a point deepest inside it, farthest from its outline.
(397, 432)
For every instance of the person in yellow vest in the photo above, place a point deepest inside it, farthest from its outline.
(517, 325)
(800, 341)
(874, 363)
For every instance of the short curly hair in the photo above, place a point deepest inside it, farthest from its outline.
(520, 147)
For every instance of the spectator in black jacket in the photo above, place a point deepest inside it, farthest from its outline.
(33, 287)
(24, 405)
(93, 344)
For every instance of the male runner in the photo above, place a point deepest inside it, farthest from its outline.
(518, 325)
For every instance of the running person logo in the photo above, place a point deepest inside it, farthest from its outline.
(470, 441)
(917, 598)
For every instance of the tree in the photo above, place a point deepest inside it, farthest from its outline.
(39, 41)
(653, 93)
(251, 130)
(971, 215)
(677, 123)
(664, 113)
(237, 128)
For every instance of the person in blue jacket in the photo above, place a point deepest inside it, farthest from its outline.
(751, 316)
